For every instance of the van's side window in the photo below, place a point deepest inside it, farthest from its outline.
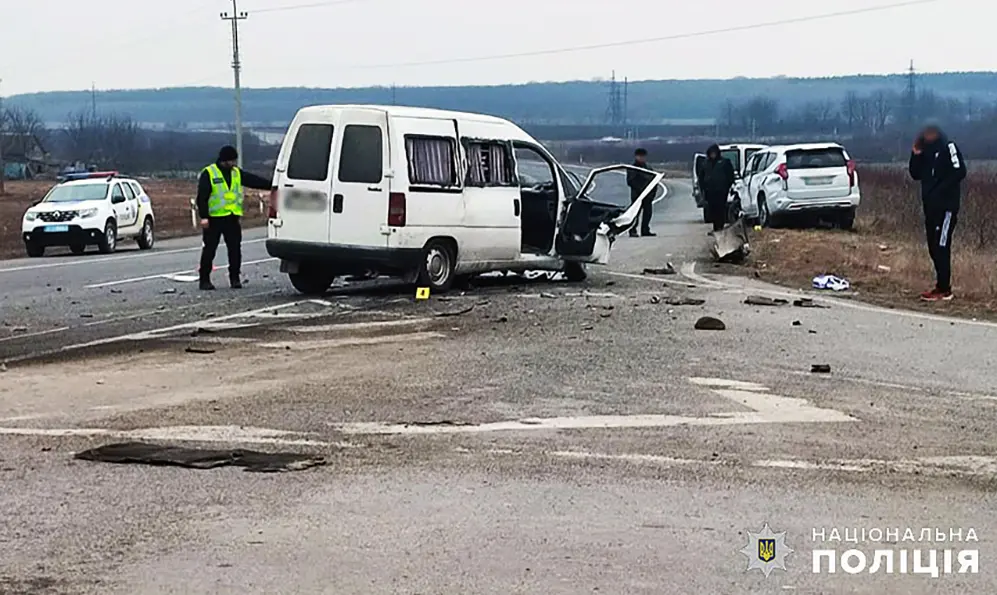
(489, 164)
(431, 161)
(310, 153)
(361, 159)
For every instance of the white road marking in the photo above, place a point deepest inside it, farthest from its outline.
(77, 262)
(223, 434)
(947, 466)
(358, 326)
(165, 275)
(350, 342)
(689, 270)
(632, 458)
(764, 406)
(217, 323)
(117, 319)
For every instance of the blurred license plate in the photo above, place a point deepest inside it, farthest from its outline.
(818, 181)
(56, 228)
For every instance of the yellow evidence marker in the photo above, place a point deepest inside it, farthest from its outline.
(422, 293)
(758, 228)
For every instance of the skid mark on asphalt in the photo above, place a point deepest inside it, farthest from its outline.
(765, 408)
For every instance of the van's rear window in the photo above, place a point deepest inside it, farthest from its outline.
(815, 158)
(361, 159)
(310, 153)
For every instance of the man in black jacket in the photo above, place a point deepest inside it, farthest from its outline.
(638, 181)
(937, 163)
(715, 182)
(219, 206)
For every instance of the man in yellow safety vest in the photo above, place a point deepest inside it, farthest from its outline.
(219, 206)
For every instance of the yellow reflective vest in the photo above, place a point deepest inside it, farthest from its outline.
(224, 200)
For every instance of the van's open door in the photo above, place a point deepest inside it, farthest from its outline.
(588, 225)
(697, 166)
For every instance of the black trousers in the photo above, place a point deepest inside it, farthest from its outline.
(939, 225)
(717, 205)
(230, 228)
(646, 211)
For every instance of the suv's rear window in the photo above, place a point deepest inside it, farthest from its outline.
(310, 153)
(815, 158)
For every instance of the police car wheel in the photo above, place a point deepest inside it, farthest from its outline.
(34, 250)
(78, 248)
(109, 241)
(147, 238)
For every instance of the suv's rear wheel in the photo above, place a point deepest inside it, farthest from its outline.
(764, 217)
(109, 241)
(847, 220)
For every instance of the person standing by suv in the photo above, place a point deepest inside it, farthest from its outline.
(715, 183)
(937, 164)
(638, 181)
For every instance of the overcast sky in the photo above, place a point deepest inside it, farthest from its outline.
(148, 44)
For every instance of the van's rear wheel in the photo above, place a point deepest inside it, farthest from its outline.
(575, 272)
(310, 281)
(437, 268)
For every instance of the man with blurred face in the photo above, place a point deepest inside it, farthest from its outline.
(715, 183)
(638, 181)
(937, 163)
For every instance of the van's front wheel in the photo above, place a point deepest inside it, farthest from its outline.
(436, 271)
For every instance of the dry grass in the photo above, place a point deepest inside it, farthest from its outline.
(886, 259)
(170, 200)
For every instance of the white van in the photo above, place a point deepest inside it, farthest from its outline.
(428, 195)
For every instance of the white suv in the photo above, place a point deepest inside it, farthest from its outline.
(781, 182)
(89, 209)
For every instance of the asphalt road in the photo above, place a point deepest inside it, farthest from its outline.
(525, 437)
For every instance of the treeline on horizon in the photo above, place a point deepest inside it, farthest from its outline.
(550, 103)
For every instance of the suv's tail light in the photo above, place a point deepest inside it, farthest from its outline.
(272, 204)
(851, 173)
(782, 171)
(396, 209)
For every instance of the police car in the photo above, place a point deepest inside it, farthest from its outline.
(90, 209)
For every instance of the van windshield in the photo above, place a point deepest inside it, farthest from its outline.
(734, 156)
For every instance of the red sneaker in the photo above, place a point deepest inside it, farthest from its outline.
(936, 295)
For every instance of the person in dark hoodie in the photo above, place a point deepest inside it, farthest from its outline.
(937, 163)
(638, 181)
(219, 206)
(715, 182)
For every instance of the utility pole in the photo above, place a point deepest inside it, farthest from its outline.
(93, 101)
(393, 94)
(235, 17)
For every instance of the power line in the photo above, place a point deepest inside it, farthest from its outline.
(630, 42)
(304, 6)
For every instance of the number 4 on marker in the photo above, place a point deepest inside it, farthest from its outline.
(422, 293)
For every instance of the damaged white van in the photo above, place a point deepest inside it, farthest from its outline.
(430, 195)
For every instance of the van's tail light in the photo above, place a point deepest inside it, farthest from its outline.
(396, 209)
(851, 173)
(272, 204)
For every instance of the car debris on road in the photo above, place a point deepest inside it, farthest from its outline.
(197, 458)
(709, 323)
(758, 300)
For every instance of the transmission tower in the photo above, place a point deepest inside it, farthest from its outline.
(614, 113)
(910, 95)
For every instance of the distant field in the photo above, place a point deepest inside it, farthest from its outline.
(170, 200)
